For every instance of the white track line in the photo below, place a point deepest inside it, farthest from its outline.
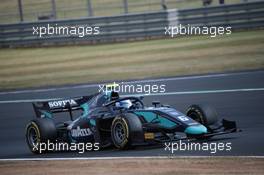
(137, 81)
(28, 100)
(200, 92)
(152, 94)
(129, 157)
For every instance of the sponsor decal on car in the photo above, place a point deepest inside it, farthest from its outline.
(78, 132)
(61, 103)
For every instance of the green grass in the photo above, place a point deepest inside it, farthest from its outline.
(32, 67)
(78, 8)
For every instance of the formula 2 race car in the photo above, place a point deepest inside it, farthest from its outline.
(123, 122)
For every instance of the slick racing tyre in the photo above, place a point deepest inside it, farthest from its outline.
(40, 131)
(204, 114)
(124, 128)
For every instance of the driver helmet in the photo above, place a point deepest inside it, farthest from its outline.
(125, 104)
(114, 96)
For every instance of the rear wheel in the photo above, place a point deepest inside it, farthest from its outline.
(40, 131)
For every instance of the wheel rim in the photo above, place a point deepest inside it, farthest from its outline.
(119, 133)
(32, 136)
(195, 117)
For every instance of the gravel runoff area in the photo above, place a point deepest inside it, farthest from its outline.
(152, 166)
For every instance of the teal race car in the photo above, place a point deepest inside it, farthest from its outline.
(111, 120)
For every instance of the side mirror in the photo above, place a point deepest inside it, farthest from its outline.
(155, 103)
(166, 106)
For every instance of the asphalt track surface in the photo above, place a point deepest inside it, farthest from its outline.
(236, 96)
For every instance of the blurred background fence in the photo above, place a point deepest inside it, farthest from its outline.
(116, 28)
(13, 11)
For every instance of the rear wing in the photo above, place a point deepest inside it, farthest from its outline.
(47, 108)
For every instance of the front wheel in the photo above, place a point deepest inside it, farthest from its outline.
(126, 130)
(203, 114)
(120, 133)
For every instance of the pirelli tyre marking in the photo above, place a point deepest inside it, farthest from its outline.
(120, 132)
(198, 114)
(32, 141)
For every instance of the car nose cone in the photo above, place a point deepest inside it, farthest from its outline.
(198, 129)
